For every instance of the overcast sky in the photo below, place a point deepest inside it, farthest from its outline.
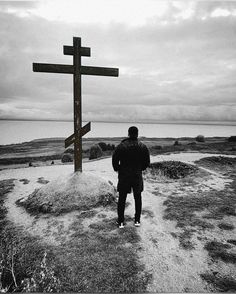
(176, 59)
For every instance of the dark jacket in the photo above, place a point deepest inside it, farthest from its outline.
(130, 158)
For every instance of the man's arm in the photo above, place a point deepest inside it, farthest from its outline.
(145, 157)
(116, 159)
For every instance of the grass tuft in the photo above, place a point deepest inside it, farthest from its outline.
(225, 226)
(87, 214)
(24, 181)
(104, 225)
(41, 180)
(219, 163)
(218, 250)
(147, 213)
(184, 240)
(6, 186)
(232, 241)
(221, 283)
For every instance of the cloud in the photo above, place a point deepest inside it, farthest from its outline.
(181, 69)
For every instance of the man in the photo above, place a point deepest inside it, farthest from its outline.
(130, 158)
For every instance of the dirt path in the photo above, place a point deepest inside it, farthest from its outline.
(173, 268)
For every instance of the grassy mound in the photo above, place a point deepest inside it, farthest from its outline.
(218, 250)
(77, 191)
(171, 169)
(217, 162)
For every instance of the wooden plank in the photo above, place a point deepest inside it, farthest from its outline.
(85, 129)
(54, 68)
(71, 139)
(69, 69)
(100, 71)
(84, 51)
(77, 104)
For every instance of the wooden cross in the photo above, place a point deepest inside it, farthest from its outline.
(77, 70)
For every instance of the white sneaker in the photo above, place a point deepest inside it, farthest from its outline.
(137, 224)
(121, 226)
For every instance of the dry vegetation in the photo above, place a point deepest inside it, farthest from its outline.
(97, 257)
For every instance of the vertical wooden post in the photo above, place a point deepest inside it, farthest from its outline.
(77, 104)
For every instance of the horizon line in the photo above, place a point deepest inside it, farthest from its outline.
(192, 122)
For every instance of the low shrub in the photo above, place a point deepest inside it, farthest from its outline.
(232, 139)
(103, 146)
(192, 144)
(157, 147)
(66, 158)
(106, 147)
(225, 226)
(200, 138)
(69, 150)
(95, 152)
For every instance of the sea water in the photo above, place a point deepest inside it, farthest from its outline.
(23, 131)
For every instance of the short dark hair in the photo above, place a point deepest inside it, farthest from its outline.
(133, 132)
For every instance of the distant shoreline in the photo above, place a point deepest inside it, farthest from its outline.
(95, 139)
(49, 151)
(216, 123)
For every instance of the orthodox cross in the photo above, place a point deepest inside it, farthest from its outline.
(77, 70)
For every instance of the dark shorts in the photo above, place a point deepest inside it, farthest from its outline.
(134, 182)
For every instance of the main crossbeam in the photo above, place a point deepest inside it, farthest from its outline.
(69, 69)
(53, 68)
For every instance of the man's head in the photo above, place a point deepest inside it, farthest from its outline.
(133, 132)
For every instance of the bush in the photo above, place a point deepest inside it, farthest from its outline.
(69, 150)
(200, 138)
(110, 147)
(106, 147)
(157, 147)
(192, 143)
(232, 139)
(95, 152)
(176, 143)
(66, 158)
(103, 146)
